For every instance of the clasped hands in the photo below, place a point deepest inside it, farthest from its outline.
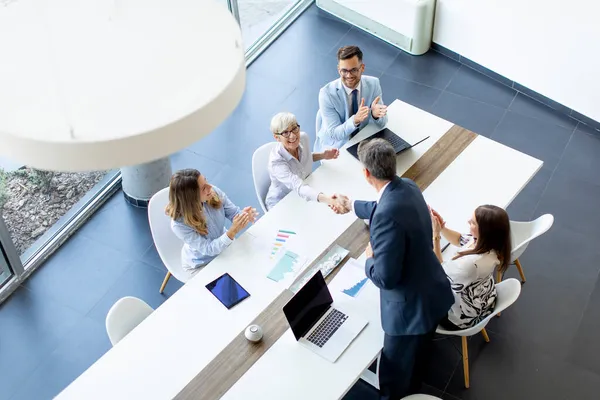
(242, 219)
(341, 204)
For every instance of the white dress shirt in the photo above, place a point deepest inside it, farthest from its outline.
(349, 97)
(379, 194)
(287, 173)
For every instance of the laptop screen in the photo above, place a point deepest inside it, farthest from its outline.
(385, 133)
(308, 305)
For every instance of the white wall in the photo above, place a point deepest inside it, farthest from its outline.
(550, 46)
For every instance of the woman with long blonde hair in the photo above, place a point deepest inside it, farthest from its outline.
(198, 211)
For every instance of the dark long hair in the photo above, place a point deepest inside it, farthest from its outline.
(494, 234)
(184, 200)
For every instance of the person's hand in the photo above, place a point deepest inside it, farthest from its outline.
(251, 212)
(378, 110)
(369, 251)
(331, 154)
(362, 113)
(439, 217)
(239, 222)
(341, 204)
(436, 225)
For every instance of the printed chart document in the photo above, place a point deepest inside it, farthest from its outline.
(287, 266)
(351, 279)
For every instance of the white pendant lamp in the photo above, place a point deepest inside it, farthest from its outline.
(102, 84)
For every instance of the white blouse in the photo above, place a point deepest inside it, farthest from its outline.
(288, 173)
(472, 282)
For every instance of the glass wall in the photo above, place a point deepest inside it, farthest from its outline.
(5, 271)
(258, 16)
(32, 201)
(38, 209)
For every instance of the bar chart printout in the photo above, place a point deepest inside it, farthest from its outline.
(353, 291)
(351, 279)
(281, 238)
(286, 267)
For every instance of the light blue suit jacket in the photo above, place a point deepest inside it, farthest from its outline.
(335, 127)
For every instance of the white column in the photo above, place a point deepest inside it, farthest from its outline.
(141, 182)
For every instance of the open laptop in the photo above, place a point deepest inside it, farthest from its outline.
(318, 326)
(396, 141)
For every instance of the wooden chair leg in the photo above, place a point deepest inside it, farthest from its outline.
(465, 356)
(520, 269)
(162, 287)
(498, 280)
(485, 335)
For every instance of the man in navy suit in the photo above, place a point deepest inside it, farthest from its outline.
(348, 103)
(415, 292)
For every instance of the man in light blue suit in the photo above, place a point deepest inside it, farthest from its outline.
(348, 103)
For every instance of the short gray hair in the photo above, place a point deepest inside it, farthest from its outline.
(379, 158)
(282, 121)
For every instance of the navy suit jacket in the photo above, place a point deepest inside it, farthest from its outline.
(415, 292)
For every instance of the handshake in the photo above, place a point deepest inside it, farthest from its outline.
(340, 204)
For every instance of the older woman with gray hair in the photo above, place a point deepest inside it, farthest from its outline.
(291, 162)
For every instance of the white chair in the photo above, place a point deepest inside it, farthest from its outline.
(260, 173)
(421, 397)
(167, 244)
(508, 292)
(521, 234)
(124, 315)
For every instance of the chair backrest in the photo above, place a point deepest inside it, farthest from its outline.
(124, 315)
(318, 122)
(524, 232)
(260, 173)
(508, 292)
(421, 397)
(167, 244)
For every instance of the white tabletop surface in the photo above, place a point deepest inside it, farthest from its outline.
(166, 351)
(485, 172)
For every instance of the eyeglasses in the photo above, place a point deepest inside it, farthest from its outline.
(353, 71)
(294, 130)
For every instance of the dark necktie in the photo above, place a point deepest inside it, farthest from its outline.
(354, 101)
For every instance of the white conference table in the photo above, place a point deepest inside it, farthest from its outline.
(168, 349)
(486, 172)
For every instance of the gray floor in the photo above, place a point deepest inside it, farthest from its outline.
(544, 347)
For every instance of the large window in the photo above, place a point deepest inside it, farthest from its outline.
(262, 21)
(38, 209)
(33, 201)
(5, 271)
(258, 16)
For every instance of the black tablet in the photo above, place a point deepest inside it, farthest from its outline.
(227, 290)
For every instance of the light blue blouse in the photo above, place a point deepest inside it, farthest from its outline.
(198, 250)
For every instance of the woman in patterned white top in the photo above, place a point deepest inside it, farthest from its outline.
(290, 162)
(470, 271)
(198, 211)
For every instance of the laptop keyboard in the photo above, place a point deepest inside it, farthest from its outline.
(327, 328)
(397, 142)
